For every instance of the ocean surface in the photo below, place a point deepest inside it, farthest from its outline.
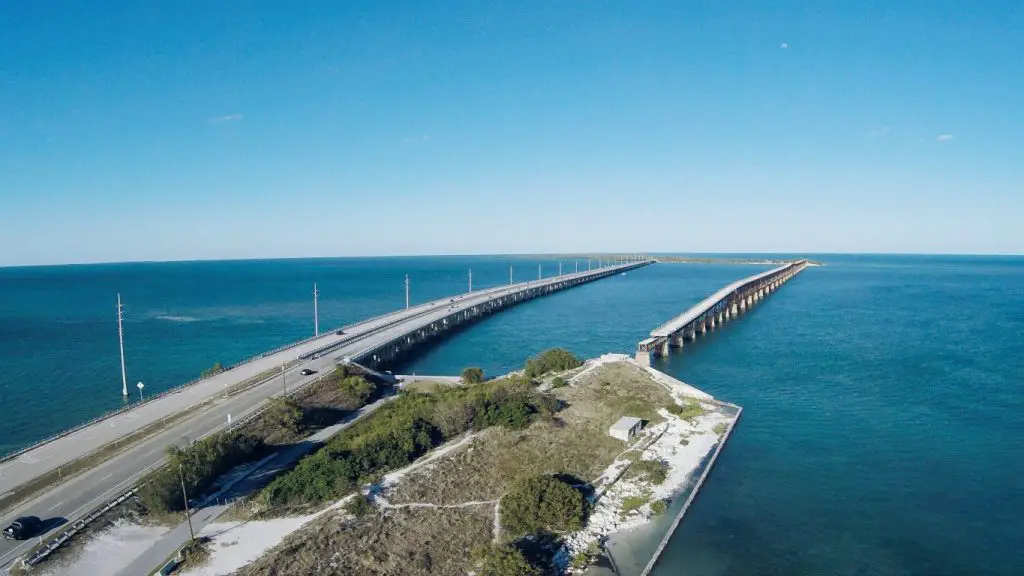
(882, 430)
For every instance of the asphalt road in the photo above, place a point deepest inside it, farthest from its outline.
(79, 495)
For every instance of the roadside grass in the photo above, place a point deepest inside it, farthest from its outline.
(575, 442)
(417, 542)
(425, 386)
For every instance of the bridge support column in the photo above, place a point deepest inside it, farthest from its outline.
(663, 348)
(690, 334)
(721, 318)
(712, 322)
(676, 340)
(703, 327)
(735, 309)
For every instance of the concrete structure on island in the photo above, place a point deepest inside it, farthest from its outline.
(626, 428)
(713, 311)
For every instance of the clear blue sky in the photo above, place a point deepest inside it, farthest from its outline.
(181, 130)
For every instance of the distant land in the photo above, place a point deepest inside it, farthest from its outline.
(694, 259)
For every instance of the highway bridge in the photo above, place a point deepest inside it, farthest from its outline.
(374, 342)
(712, 311)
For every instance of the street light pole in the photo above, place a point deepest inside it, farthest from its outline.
(406, 291)
(509, 274)
(284, 382)
(538, 272)
(470, 280)
(120, 340)
(140, 385)
(184, 495)
(316, 312)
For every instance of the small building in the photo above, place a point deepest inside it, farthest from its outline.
(626, 428)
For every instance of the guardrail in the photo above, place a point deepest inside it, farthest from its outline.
(41, 554)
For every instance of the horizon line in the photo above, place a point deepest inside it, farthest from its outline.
(513, 255)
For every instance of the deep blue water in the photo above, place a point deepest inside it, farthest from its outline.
(882, 429)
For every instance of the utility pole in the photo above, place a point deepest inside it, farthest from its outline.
(181, 476)
(559, 269)
(284, 381)
(316, 311)
(406, 291)
(470, 280)
(509, 274)
(588, 264)
(577, 267)
(538, 273)
(120, 340)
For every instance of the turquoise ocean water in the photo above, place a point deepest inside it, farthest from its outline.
(882, 431)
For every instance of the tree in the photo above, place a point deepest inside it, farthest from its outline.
(472, 375)
(553, 360)
(541, 503)
(284, 413)
(357, 390)
(359, 505)
(558, 382)
(506, 560)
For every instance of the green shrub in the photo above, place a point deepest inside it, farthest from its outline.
(687, 411)
(359, 506)
(284, 413)
(505, 560)
(720, 428)
(541, 503)
(652, 471)
(658, 507)
(403, 430)
(201, 463)
(356, 390)
(631, 503)
(558, 382)
(580, 560)
(473, 375)
(553, 360)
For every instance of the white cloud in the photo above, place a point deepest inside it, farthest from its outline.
(227, 118)
(879, 132)
(944, 137)
(783, 45)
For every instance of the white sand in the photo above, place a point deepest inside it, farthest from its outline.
(111, 550)
(236, 544)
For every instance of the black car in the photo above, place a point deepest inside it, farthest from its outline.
(307, 372)
(340, 332)
(22, 528)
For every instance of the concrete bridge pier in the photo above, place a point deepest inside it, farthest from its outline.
(676, 340)
(703, 327)
(663, 348)
(711, 322)
(721, 317)
(690, 334)
(734, 309)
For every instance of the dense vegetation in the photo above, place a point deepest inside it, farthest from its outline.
(505, 560)
(553, 360)
(403, 430)
(542, 504)
(201, 463)
(473, 375)
(284, 414)
(356, 390)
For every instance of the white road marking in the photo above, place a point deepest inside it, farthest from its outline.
(107, 476)
(61, 503)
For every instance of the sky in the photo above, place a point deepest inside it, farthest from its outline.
(205, 130)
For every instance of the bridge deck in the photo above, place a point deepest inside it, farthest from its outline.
(679, 322)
